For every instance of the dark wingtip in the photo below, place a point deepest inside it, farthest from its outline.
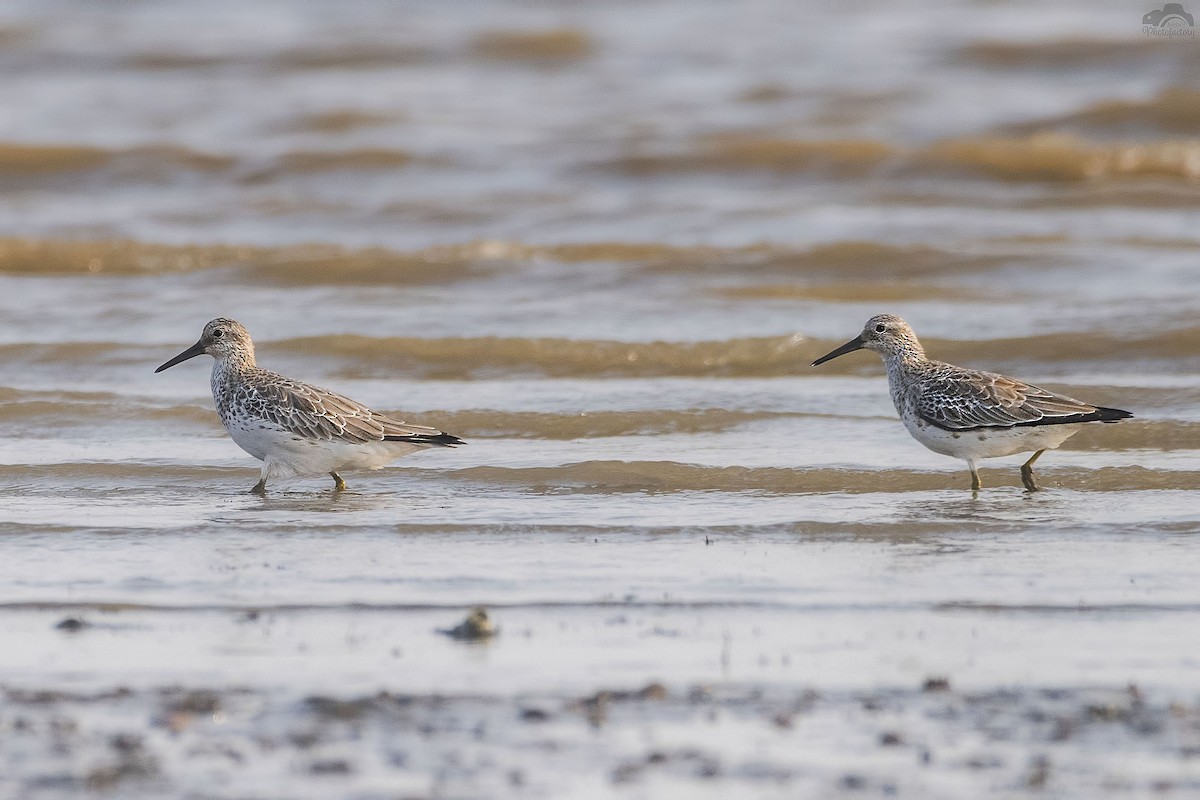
(446, 440)
(437, 440)
(1101, 414)
(1111, 414)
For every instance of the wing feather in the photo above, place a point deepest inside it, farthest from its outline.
(315, 413)
(958, 399)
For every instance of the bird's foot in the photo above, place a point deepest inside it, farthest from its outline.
(260, 488)
(339, 485)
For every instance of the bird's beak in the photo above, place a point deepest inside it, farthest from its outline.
(195, 350)
(856, 343)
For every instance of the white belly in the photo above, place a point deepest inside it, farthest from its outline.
(287, 454)
(988, 442)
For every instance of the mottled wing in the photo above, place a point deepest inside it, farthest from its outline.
(959, 399)
(315, 413)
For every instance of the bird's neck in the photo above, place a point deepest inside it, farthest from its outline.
(226, 378)
(901, 365)
(910, 355)
(227, 368)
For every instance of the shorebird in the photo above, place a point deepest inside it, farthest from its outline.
(296, 428)
(968, 413)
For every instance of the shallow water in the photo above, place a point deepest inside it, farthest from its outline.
(602, 243)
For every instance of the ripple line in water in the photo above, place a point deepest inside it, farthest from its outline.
(668, 476)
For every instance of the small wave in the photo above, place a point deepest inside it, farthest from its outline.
(152, 60)
(871, 260)
(737, 152)
(862, 258)
(487, 423)
(668, 476)
(293, 264)
(322, 263)
(1063, 53)
(650, 477)
(1173, 111)
(113, 256)
(542, 47)
(376, 265)
(116, 472)
(25, 159)
(769, 356)
(63, 352)
(145, 163)
(1028, 152)
(484, 357)
(47, 412)
(1142, 435)
(552, 45)
(356, 55)
(363, 159)
(1041, 156)
(1062, 157)
(1180, 345)
(304, 162)
(857, 292)
(1117, 194)
(337, 121)
(151, 160)
(768, 92)
(632, 252)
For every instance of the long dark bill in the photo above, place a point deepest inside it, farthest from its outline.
(195, 350)
(849, 347)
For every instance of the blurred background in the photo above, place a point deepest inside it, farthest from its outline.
(601, 241)
(715, 151)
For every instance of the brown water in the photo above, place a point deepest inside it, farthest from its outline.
(602, 243)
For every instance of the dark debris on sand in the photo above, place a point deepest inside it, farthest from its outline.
(923, 741)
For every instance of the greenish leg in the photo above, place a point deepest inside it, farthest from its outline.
(1027, 472)
(976, 484)
(338, 483)
(260, 488)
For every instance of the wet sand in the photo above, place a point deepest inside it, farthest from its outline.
(931, 741)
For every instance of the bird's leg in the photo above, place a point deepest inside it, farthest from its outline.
(976, 484)
(260, 488)
(338, 484)
(1027, 472)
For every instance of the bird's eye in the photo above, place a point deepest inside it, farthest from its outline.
(218, 333)
(880, 328)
